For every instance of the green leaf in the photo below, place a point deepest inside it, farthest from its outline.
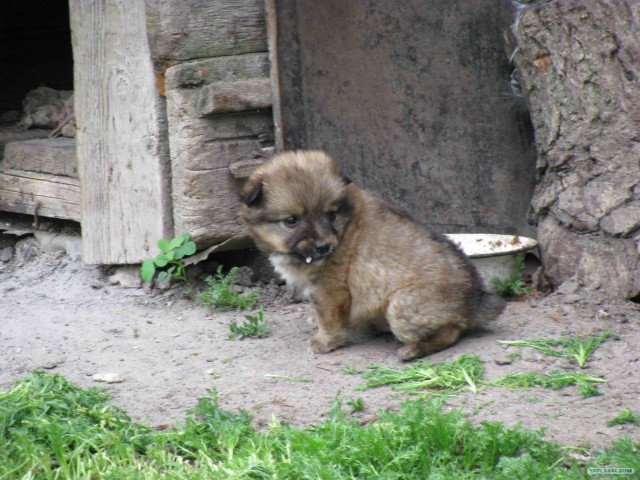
(163, 277)
(189, 248)
(161, 260)
(176, 242)
(164, 245)
(147, 270)
(170, 255)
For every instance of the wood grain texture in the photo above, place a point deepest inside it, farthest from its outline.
(40, 194)
(231, 97)
(56, 156)
(205, 194)
(194, 29)
(121, 140)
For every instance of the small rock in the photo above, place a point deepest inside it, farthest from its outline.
(244, 277)
(107, 378)
(506, 361)
(6, 254)
(128, 276)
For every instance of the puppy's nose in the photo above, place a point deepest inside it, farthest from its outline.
(323, 249)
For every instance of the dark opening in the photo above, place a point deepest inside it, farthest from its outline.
(35, 49)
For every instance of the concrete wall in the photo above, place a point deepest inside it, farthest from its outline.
(412, 100)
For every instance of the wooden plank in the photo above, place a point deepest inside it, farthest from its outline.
(193, 29)
(56, 156)
(122, 146)
(40, 194)
(205, 194)
(239, 96)
(271, 18)
(14, 134)
(194, 75)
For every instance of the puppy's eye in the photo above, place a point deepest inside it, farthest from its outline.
(291, 221)
(331, 216)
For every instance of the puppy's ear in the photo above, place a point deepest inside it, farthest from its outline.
(252, 190)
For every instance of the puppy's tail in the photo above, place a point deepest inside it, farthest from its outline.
(488, 307)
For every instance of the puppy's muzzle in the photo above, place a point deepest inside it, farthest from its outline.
(316, 253)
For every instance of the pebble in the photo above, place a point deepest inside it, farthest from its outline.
(6, 254)
(107, 378)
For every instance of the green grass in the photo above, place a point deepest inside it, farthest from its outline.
(555, 380)
(625, 416)
(221, 293)
(254, 326)
(513, 285)
(466, 373)
(51, 429)
(447, 377)
(574, 348)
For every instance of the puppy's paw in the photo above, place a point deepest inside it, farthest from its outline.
(321, 343)
(409, 352)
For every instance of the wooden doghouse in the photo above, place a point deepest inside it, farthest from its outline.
(173, 107)
(176, 102)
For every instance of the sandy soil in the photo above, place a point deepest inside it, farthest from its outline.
(62, 316)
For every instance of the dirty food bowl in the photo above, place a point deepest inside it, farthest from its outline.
(495, 256)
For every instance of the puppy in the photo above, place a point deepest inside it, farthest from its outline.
(359, 260)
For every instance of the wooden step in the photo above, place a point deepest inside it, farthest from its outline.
(11, 133)
(40, 194)
(55, 156)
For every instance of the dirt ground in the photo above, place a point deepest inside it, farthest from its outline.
(62, 316)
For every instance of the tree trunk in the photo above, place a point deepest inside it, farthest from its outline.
(578, 63)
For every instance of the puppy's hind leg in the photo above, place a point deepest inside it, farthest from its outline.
(424, 321)
(436, 341)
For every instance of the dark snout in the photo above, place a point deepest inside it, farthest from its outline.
(318, 244)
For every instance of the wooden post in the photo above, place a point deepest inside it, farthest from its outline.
(122, 147)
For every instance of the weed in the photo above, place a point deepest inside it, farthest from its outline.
(555, 380)
(50, 429)
(172, 254)
(446, 377)
(625, 416)
(221, 294)
(357, 405)
(578, 349)
(513, 285)
(255, 326)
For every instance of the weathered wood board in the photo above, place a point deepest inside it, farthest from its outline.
(194, 29)
(56, 156)
(121, 139)
(14, 134)
(203, 147)
(40, 194)
(231, 97)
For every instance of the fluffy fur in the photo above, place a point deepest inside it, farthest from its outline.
(359, 260)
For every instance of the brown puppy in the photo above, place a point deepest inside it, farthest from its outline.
(359, 260)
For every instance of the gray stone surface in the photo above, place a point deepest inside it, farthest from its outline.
(411, 98)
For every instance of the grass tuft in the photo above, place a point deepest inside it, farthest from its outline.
(447, 377)
(254, 326)
(575, 348)
(625, 416)
(555, 380)
(222, 295)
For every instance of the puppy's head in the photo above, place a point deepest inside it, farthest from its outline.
(297, 204)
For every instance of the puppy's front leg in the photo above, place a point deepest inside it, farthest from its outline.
(333, 320)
